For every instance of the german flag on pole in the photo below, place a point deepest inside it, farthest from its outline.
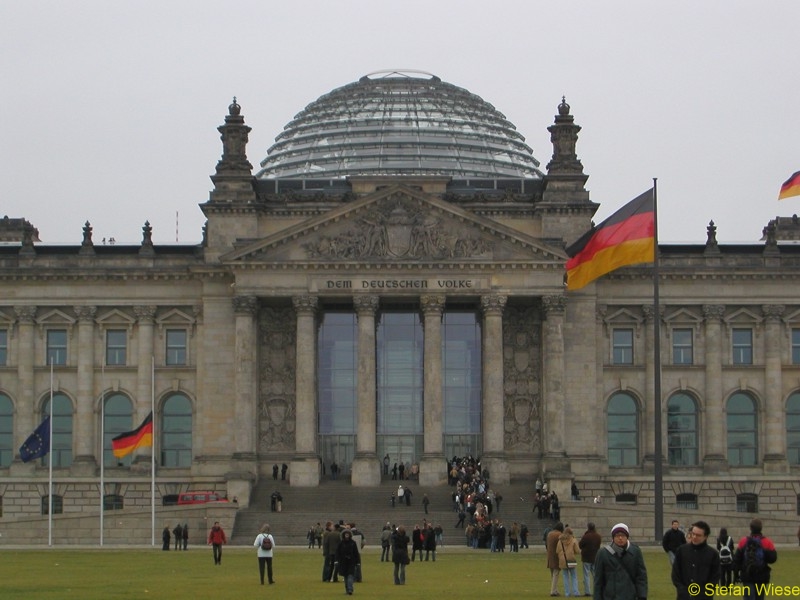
(790, 187)
(127, 442)
(625, 238)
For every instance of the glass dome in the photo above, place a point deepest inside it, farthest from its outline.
(399, 123)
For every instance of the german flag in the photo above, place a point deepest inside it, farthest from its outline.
(625, 238)
(127, 442)
(790, 187)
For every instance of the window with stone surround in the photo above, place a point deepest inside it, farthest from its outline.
(793, 429)
(623, 431)
(57, 347)
(116, 347)
(622, 346)
(176, 432)
(625, 498)
(117, 419)
(687, 501)
(58, 504)
(176, 347)
(742, 346)
(796, 346)
(61, 422)
(113, 502)
(747, 503)
(3, 347)
(682, 347)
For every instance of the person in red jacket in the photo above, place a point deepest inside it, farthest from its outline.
(216, 538)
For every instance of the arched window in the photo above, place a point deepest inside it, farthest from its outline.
(117, 418)
(6, 431)
(623, 431)
(742, 430)
(61, 422)
(793, 429)
(682, 430)
(176, 432)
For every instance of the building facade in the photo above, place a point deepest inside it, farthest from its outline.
(391, 282)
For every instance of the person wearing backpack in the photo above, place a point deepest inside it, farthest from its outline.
(265, 544)
(725, 549)
(695, 572)
(754, 553)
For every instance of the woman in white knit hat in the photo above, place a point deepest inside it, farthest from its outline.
(619, 570)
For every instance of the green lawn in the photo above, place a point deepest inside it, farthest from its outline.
(62, 573)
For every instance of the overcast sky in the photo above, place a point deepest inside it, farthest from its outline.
(109, 110)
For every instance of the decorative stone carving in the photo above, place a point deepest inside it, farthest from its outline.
(145, 314)
(522, 376)
(367, 304)
(85, 314)
(552, 305)
(276, 379)
(304, 304)
(25, 314)
(493, 304)
(245, 305)
(773, 312)
(432, 303)
(396, 229)
(713, 311)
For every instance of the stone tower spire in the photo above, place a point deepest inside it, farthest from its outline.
(233, 180)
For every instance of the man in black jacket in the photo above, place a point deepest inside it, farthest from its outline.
(696, 565)
(672, 540)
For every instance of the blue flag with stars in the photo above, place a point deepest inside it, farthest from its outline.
(38, 443)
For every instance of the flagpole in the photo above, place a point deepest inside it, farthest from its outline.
(658, 476)
(153, 452)
(102, 461)
(50, 465)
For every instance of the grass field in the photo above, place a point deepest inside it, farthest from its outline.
(62, 573)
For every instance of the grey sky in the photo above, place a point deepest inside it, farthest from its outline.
(108, 110)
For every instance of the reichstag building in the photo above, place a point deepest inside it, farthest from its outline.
(391, 282)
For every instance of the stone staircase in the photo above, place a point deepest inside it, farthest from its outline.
(369, 508)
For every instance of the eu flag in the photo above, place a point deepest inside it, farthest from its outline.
(38, 443)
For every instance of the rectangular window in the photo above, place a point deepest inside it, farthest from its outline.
(176, 347)
(3, 347)
(682, 348)
(742, 346)
(57, 347)
(795, 346)
(116, 347)
(622, 350)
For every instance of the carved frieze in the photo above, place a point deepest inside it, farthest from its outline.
(399, 229)
(276, 379)
(522, 376)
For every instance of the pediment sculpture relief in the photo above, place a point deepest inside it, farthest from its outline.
(399, 229)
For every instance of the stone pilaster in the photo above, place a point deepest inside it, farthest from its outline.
(25, 420)
(85, 463)
(716, 458)
(245, 416)
(145, 316)
(432, 471)
(493, 408)
(305, 464)
(365, 470)
(650, 403)
(774, 415)
(553, 397)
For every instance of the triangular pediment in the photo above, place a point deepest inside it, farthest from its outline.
(397, 224)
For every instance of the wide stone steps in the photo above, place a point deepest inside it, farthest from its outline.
(369, 508)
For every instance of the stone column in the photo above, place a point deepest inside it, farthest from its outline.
(493, 397)
(774, 412)
(556, 465)
(145, 316)
(433, 466)
(26, 417)
(716, 458)
(245, 416)
(85, 463)
(305, 464)
(365, 470)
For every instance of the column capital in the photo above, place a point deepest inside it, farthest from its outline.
(649, 312)
(493, 304)
(773, 312)
(145, 313)
(306, 304)
(554, 305)
(713, 312)
(432, 304)
(245, 305)
(25, 314)
(366, 304)
(85, 314)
